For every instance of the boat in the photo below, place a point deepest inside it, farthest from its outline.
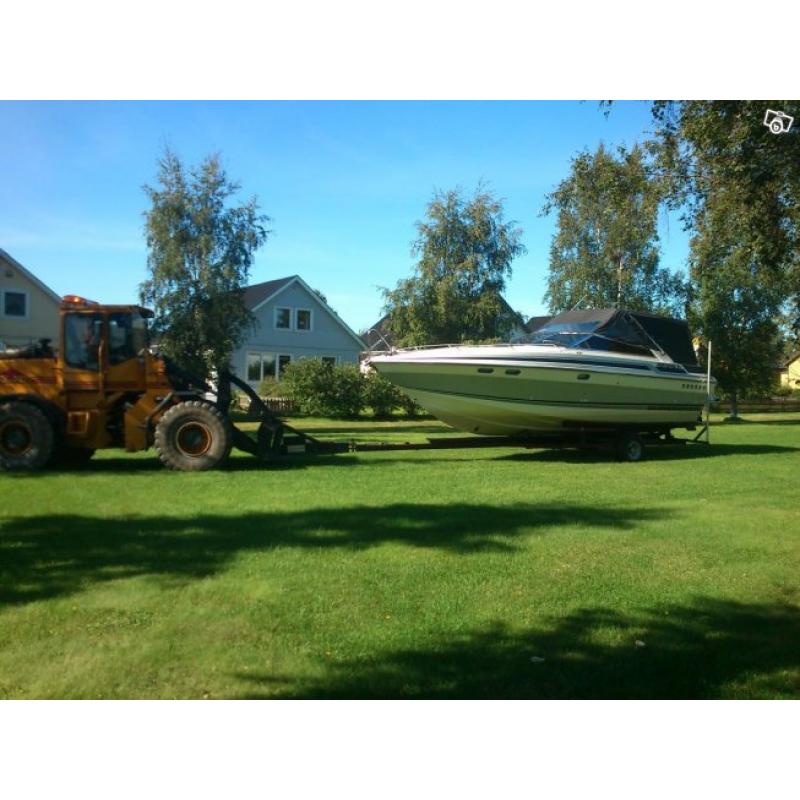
(601, 369)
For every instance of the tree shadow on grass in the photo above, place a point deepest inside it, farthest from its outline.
(707, 648)
(51, 555)
(238, 463)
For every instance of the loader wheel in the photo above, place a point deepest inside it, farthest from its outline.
(26, 437)
(193, 436)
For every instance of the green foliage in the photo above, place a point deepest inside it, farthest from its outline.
(381, 395)
(199, 259)
(328, 390)
(605, 250)
(737, 185)
(464, 251)
(733, 307)
(271, 387)
(410, 407)
(717, 157)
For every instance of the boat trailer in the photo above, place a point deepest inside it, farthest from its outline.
(276, 439)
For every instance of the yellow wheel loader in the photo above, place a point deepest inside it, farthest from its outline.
(104, 388)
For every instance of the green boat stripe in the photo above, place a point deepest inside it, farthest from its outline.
(494, 398)
(575, 366)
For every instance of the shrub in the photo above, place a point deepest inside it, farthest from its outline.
(381, 395)
(270, 387)
(325, 390)
(409, 405)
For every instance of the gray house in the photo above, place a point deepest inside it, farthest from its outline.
(292, 322)
(28, 308)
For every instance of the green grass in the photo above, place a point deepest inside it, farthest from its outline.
(410, 574)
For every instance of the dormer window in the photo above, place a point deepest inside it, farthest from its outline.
(15, 304)
(283, 318)
(303, 319)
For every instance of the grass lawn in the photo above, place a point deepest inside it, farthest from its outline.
(464, 573)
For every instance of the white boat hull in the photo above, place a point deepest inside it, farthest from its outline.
(507, 398)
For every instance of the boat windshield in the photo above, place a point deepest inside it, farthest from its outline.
(565, 334)
(585, 335)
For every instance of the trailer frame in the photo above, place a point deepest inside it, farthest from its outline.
(276, 439)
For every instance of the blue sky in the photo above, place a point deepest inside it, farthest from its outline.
(343, 182)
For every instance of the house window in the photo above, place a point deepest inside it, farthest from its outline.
(254, 367)
(329, 360)
(303, 319)
(268, 365)
(283, 318)
(260, 366)
(15, 304)
(283, 362)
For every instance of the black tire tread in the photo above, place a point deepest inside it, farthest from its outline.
(42, 431)
(169, 454)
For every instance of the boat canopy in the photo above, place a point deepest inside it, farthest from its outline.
(620, 331)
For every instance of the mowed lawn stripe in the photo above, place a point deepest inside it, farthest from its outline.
(410, 574)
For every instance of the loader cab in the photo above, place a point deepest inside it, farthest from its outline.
(98, 337)
(101, 368)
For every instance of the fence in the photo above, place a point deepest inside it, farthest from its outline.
(280, 405)
(767, 405)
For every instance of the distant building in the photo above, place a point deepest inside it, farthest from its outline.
(292, 322)
(379, 337)
(790, 372)
(28, 308)
(534, 323)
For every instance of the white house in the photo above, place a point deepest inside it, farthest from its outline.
(28, 308)
(292, 322)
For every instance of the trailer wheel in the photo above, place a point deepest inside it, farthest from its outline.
(26, 437)
(192, 436)
(631, 447)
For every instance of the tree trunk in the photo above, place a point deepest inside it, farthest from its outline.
(734, 406)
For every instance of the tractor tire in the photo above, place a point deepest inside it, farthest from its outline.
(192, 436)
(26, 437)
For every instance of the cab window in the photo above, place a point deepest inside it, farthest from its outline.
(127, 335)
(82, 336)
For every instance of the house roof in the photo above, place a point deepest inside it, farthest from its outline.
(29, 275)
(792, 358)
(534, 323)
(258, 294)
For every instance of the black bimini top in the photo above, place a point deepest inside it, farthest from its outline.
(620, 331)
